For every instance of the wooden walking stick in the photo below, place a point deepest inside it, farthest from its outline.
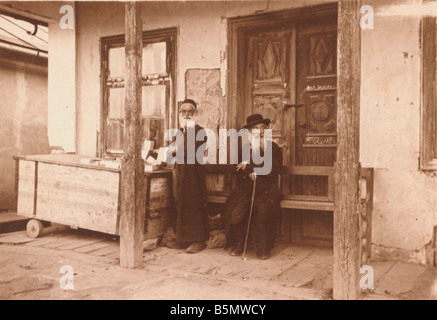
(250, 218)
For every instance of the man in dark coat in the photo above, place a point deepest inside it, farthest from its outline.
(189, 187)
(266, 208)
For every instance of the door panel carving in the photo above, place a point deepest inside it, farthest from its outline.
(322, 54)
(270, 107)
(267, 77)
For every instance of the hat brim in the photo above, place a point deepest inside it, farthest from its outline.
(251, 124)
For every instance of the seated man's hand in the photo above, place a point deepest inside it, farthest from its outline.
(252, 176)
(242, 166)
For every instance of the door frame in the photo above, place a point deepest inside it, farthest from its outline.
(346, 284)
(238, 29)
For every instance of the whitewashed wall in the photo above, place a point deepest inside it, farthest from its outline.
(405, 208)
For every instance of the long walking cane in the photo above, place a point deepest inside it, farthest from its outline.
(250, 218)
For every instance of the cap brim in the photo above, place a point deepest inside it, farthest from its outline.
(249, 125)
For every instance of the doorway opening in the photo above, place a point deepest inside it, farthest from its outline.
(284, 65)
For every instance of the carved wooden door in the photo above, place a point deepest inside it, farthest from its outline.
(316, 126)
(290, 77)
(268, 75)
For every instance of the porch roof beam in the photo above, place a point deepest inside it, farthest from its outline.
(132, 191)
(346, 215)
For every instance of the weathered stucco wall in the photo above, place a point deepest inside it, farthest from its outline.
(62, 93)
(405, 204)
(62, 63)
(201, 44)
(405, 199)
(23, 110)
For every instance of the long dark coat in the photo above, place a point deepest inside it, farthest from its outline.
(189, 189)
(266, 202)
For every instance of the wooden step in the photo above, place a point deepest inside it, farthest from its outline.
(10, 222)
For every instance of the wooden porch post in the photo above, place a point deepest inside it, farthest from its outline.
(346, 214)
(132, 166)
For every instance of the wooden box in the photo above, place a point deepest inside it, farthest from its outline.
(61, 189)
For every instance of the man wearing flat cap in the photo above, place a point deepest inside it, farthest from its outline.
(189, 187)
(266, 209)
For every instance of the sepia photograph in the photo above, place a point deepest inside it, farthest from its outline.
(218, 155)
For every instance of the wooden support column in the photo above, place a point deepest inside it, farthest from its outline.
(132, 189)
(347, 250)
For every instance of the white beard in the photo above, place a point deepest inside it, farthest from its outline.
(187, 123)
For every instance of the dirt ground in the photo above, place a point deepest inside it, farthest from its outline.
(30, 269)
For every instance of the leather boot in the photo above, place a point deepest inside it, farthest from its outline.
(239, 237)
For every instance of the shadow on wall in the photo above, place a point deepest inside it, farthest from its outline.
(23, 114)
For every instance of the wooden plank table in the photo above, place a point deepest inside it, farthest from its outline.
(62, 189)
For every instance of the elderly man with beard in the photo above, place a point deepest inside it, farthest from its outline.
(266, 207)
(189, 186)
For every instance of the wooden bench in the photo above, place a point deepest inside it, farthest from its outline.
(307, 202)
(219, 190)
(221, 179)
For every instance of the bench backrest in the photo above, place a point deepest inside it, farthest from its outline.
(288, 172)
(221, 179)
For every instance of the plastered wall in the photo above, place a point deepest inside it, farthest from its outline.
(201, 44)
(23, 114)
(405, 198)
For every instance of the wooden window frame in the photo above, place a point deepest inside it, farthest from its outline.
(428, 138)
(168, 35)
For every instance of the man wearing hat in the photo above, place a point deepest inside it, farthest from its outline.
(189, 188)
(266, 210)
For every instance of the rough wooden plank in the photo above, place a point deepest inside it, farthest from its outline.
(290, 121)
(283, 259)
(157, 226)
(299, 197)
(305, 271)
(428, 116)
(110, 249)
(92, 247)
(215, 182)
(78, 243)
(64, 241)
(18, 237)
(307, 205)
(17, 176)
(160, 193)
(26, 188)
(114, 255)
(132, 192)
(347, 255)
(308, 171)
(216, 199)
(78, 197)
(368, 174)
(66, 159)
(10, 217)
(44, 241)
(331, 187)
(22, 233)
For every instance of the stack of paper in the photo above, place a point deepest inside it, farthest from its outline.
(147, 147)
(152, 164)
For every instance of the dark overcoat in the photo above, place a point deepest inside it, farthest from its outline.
(189, 189)
(266, 201)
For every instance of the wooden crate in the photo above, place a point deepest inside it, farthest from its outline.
(60, 189)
